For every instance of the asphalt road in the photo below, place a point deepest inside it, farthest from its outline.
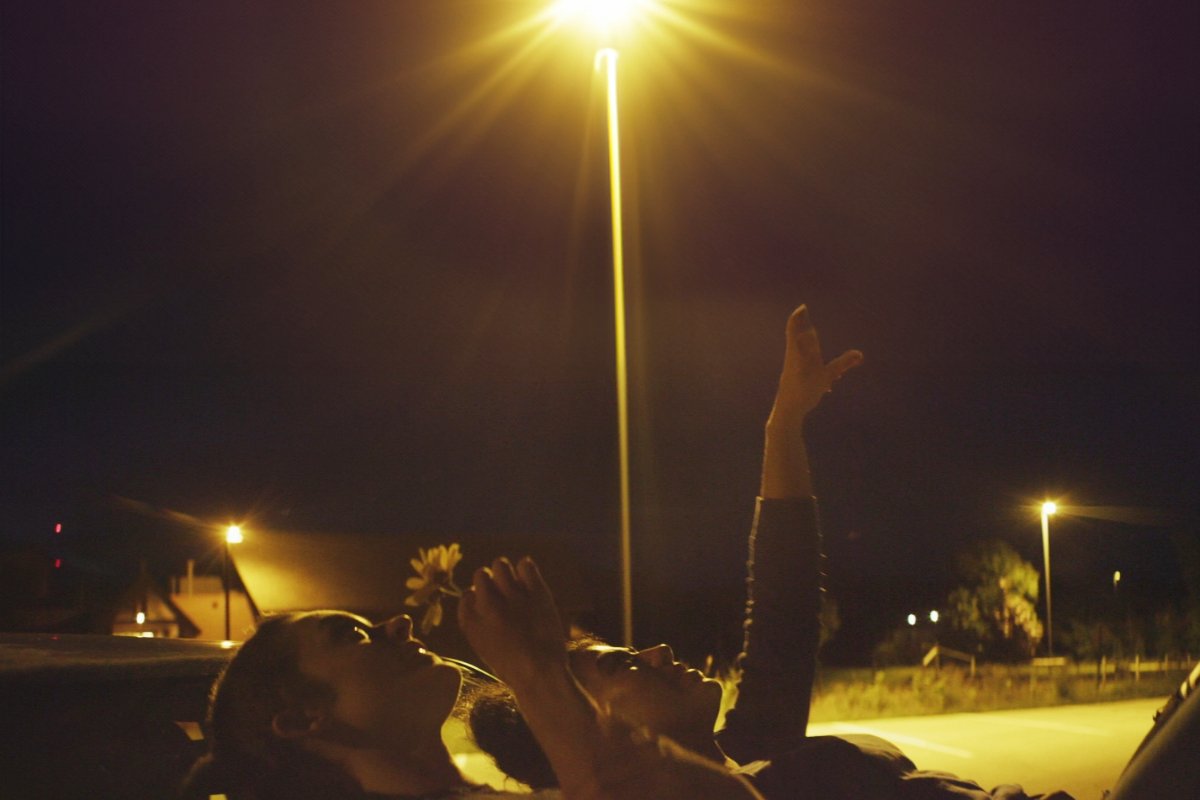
(1079, 749)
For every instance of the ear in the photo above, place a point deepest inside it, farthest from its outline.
(297, 722)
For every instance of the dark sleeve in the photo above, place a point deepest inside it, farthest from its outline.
(781, 631)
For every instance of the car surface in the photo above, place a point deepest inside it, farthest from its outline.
(91, 716)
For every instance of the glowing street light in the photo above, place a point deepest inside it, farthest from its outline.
(1048, 508)
(608, 18)
(603, 16)
(233, 535)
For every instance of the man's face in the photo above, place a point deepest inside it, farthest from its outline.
(650, 688)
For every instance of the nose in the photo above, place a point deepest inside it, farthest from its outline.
(398, 627)
(658, 656)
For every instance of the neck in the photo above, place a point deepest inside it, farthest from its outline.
(708, 748)
(420, 770)
(700, 741)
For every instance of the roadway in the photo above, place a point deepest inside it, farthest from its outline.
(1079, 749)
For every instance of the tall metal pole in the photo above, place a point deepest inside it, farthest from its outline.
(608, 57)
(225, 581)
(1046, 563)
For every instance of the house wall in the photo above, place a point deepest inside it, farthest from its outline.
(207, 611)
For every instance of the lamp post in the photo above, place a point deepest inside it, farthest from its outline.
(1048, 508)
(233, 535)
(605, 16)
(608, 57)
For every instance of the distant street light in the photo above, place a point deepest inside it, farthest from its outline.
(1048, 508)
(233, 535)
(1116, 580)
(912, 619)
(933, 616)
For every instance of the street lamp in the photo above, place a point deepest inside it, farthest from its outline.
(606, 17)
(233, 535)
(1048, 508)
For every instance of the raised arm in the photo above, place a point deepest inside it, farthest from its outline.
(782, 625)
(509, 617)
(804, 380)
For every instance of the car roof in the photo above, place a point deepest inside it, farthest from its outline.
(76, 658)
(102, 716)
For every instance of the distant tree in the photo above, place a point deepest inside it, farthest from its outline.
(996, 612)
(904, 645)
(1088, 640)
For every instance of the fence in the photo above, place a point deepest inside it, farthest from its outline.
(946, 686)
(1115, 668)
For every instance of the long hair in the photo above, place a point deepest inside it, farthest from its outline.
(246, 759)
(500, 730)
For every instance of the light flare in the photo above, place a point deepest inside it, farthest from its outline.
(602, 16)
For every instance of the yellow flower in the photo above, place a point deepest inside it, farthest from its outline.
(435, 578)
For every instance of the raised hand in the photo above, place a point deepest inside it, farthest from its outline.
(510, 619)
(806, 377)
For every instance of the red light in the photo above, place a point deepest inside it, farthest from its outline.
(58, 527)
(57, 563)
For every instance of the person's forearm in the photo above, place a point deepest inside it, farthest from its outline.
(786, 474)
(564, 721)
(596, 757)
(781, 630)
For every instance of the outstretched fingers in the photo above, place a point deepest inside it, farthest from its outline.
(806, 376)
(802, 337)
(842, 364)
(504, 576)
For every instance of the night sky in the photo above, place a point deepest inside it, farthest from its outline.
(344, 267)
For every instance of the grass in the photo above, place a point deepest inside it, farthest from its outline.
(915, 691)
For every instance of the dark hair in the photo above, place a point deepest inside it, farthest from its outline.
(500, 730)
(246, 758)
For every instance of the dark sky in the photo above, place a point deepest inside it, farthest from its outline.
(344, 267)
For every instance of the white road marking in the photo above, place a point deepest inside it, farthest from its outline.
(1062, 727)
(899, 738)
